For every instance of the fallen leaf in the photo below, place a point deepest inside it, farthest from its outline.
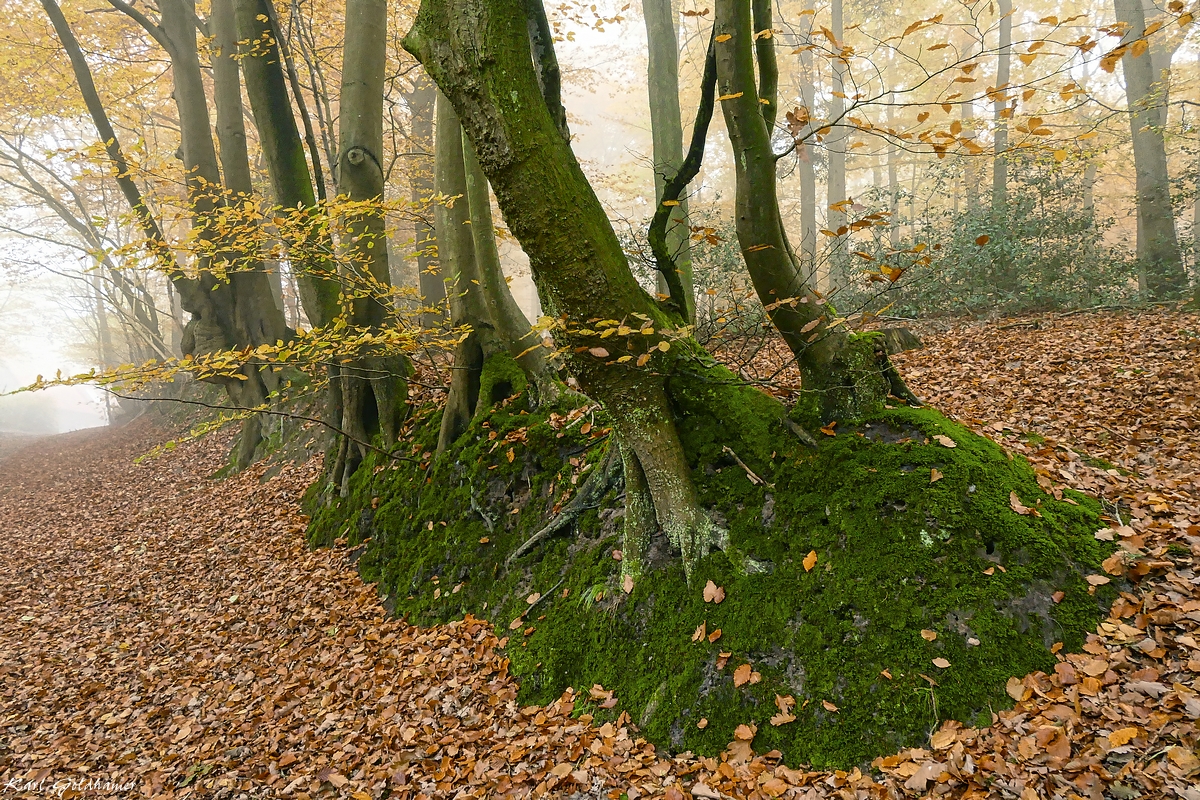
(934, 475)
(945, 441)
(830, 707)
(713, 593)
(928, 635)
(810, 561)
(941, 663)
(745, 732)
(627, 584)
(716, 634)
(741, 675)
(533, 598)
(1015, 503)
(701, 631)
(1123, 736)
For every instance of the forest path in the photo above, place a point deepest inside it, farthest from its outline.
(166, 635)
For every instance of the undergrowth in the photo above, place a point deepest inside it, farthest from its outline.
(897, 553)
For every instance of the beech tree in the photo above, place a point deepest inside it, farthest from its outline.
(1160, 265)
(509, 107)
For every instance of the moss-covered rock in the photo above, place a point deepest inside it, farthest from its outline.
(897, 553)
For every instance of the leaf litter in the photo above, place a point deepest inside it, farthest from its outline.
(173, 634)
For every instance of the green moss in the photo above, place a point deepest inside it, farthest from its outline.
(896, 554)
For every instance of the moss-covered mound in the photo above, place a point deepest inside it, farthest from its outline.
(898, 555)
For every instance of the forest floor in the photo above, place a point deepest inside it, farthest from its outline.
(166, 635)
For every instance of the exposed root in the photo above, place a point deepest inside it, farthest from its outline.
(589, 496)
(800, 433)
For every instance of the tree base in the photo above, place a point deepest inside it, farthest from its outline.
(899, 552)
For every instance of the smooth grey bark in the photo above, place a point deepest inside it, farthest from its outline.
(893, 178)
(835, 148)
(479, 294)
(1159, 258)
(257, 312)
(456, 254)
(666, 129)
(431, 285)
(374, 379)
(1000, 106)
(310, 252)
(808, 147)
(510, 323)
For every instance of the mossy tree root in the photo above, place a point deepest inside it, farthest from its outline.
(464, 391)
(605, 475)
(655, 456)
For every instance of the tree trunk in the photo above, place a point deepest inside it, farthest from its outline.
(257, 313)
(808, 150)
(1158, 253)
(283, 150)
(842, 377)
(666, 129)
(511, 326)
(835, 147)
(456, 254)
(893, 156)
(374, 388)
(1000, 108)
(478, 51)
(431, 286)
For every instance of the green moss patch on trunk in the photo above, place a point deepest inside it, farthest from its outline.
(896, 554)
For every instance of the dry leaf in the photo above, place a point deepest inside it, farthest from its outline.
(830, 707)
(741, 675)
(716, 634)
(627, 584)
(928, 635)
(941, 663)
(701, 631)
(934, 475)
(713, 593)
(745, 732)
(945, 441)
(810, 561)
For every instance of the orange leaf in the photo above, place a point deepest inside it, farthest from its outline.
(810, 560)
(713, 593)
(741, 675)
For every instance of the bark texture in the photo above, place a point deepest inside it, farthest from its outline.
(478, 51)
(666, 129)
(1159, 259)
(374, 386)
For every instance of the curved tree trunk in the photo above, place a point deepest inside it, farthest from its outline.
(478, 51)
(843, 377)
(479, 295)
(666, 130)
(511, 326)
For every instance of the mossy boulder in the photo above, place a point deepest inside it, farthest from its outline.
(898, 554)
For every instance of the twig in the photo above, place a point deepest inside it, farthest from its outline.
(753, 478)
(274, 413)
(588, 496)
